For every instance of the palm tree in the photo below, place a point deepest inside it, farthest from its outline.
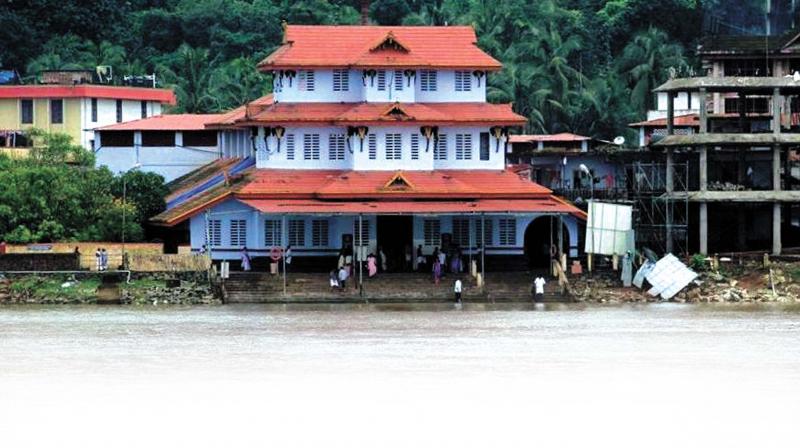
(189, 71)
(646, 61)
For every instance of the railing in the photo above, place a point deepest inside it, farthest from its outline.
(572, 194)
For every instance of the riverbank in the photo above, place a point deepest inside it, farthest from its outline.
(742, 282)
(98, 288)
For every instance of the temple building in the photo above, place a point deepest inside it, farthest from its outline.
(376, 137)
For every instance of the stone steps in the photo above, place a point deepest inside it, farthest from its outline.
(406, 288)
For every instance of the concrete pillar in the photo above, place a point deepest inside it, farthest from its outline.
(776, 111)
(743, 127)
(776, 229)
(703, 205)
(703, 111)
(776, 167)
(670, 113)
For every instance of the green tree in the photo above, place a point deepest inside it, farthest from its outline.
(389, 12)
(146, 191)
(188, 71)
(646, 61)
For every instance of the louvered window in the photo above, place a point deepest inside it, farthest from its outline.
(297, 232)
(398, 80)
(341, 80)
(372, 143)
(290, 146)
(461, 232)
(306, 80)
(440, 152)
(381, 80)
(463, 146)
(319, 233)
(215, 232)
(487, 232)
(427, 80)
(272, 233)
(364, 232)
(463, 81)
(336, 147)
(414, 146)
(310, 146)
(507, 228)
(432, 232)
(394, 149)
(238, 232)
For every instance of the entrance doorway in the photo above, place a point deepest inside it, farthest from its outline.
(395, 234)
(540, 234)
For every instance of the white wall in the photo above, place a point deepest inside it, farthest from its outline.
(107, 115)
(366, 89)
(681, 105)
(235, 143)
(169, 161)
(359, 160)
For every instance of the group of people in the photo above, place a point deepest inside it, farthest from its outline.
(440, 264)
(100, 258)
(244, 256)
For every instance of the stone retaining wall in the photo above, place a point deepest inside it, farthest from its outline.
(39, 262)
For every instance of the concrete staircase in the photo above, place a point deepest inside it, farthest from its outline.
(387, 287)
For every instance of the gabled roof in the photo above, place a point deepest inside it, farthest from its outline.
(722, 45)
(336, 187)
(559, 138)
(381, 113)
(688, 120)
(240, 113)
(170, 122)
(324, 46)
(166, 96)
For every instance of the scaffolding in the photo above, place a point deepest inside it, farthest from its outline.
(656, 214)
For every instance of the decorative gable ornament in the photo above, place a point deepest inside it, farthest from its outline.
(410, 75)
(397, 112)
(478, 74)
(499, 132)
(429, 132)
(390, 42)
(398, 182)
(371, 74)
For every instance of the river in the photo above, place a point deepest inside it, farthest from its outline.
(652, 375)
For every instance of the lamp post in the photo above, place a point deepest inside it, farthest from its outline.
(124, 204)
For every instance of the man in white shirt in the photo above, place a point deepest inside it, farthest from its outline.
(343, 275)
(457, 291)
(538, 286)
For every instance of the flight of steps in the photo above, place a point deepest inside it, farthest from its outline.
(387, 287)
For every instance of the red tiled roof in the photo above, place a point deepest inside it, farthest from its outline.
(361, 46)
(452, 190)
(562, 137)
(240, 113)
(173, 122)
(332, 184)
(312, 206)
(88, 91)
(383, 113)
(681, 120)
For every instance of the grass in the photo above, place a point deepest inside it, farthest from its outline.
(50, 288)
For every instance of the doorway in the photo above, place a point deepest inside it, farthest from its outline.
(395, 234)
(540, 235)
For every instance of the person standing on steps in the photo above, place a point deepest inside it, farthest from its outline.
(437, 271)
(98, 260)
(538, 287)
(343, 274)
(245, 260)
(457, 290)
(420, 258)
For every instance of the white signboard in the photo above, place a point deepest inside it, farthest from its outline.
(609, 229)
(668, 277)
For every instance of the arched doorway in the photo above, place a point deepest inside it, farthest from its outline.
(540, 235)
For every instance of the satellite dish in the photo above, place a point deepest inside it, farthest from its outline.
(619, 140)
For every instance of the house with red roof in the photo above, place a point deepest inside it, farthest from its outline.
(71, 102)
(377, 137)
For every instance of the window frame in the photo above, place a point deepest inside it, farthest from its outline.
(428, 80)
(432, 232)
(463, 81)
(214, 234)
(273, 236)
(463, 146)
(440, 149)
(341, 80)
(311, 149)
(119, 111)
(238, 232)
(22, 114)
(393, 146)
(93, 107)
(507, 232)
(56, 118)
(320, 232)
(296, 232)
(336, 145)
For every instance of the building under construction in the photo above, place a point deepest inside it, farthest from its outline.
(743, 198)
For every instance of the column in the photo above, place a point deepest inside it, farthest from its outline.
(703, 175)
(669, 174)
(776, 172)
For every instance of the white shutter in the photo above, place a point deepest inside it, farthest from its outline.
(272, 233)
(310, 146)
(215, 231)
(507, 228)
(341, 80)
(394, 146)
(319, 232)
(297, 232)
(290, 146)
(432, 232)
(336, 147)
(381, 80)
(238, 232)
(463, 146)
(440, 152)
(372, 143)
(414, 146)
(398, 80)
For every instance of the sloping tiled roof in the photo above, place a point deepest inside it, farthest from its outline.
(562, 137)
(88, 91)
(379, 46)
(171, 122)
(454, 186)
(680, 120)
(240, 113)
(745, 45)
(381, 113)
(311, 206)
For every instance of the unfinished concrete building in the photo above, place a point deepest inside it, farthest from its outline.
(743, 195)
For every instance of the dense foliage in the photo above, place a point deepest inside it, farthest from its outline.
(570, 65)
(57, 195)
